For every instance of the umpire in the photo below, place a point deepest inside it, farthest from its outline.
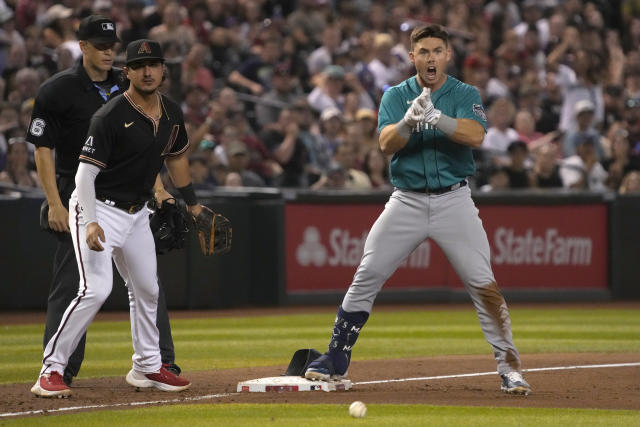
(60, 120)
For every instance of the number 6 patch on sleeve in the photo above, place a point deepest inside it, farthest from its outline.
(37, 127)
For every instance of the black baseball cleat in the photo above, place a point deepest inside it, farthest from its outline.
(172, 367)
(514, 383)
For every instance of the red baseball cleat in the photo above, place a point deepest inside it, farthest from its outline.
(51, 385)
(163, 380)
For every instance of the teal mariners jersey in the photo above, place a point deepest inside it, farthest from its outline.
(430, 159)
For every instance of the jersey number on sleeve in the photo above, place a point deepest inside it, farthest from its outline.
(37, 127)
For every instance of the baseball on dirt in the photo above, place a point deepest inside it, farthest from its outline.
(358, 409)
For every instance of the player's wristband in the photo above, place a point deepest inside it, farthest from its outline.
(188, 194)
(403, 129)
(446, 124)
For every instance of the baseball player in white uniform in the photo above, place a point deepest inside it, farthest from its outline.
(129, 139)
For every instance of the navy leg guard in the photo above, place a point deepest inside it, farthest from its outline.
(335, 362)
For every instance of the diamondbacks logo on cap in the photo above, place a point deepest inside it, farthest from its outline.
(108, 26)
(144, 48)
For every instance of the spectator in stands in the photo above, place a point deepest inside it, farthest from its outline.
(322, 57)
(282, 139)
(136, 28)
(525, 125)
(9, 123)
(533, 17)
(238, 158)
(59, 33)
(24, 86)
(376, 167)
(320, 152)
(546, 172)
(345, 155)
(195, 106)
(309, 18)
(201, 176)
(613, 105)
(18, 170)
(224, 53)
(334, 178)
(199, 21)
(501, 82)
(254, 74)
(630, 183)
(329, 91)
(584, 112)
(172, 29)
(476, 73)
(367, 127)
(517, 168)
(387, 69)
(38, 57)
(194, 70)
(283, 93)
(583, 170)
(498, 179)
(632, 118)
(500, 133)
(507, 8)
(331, 128)
(622, 160)
(580, 81)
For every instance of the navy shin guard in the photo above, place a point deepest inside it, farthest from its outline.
(345, 333)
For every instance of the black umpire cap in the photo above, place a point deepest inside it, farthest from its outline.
(97, 29)
(144, 50)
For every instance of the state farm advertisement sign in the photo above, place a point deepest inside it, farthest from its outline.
(531, 247)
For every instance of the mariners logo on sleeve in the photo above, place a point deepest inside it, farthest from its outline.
(478, 110)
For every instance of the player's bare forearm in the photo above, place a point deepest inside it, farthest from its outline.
(58, 215)
(46, 172)
(159, 192)
(390, 140)
(469, 132)
(178, 167)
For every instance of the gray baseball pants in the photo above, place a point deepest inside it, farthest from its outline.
(451, 220)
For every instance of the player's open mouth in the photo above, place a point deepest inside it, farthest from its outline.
(431, 72)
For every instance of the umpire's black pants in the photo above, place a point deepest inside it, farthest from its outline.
(64, 288)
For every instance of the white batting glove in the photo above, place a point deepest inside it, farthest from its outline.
(431, 114)
(414, 116)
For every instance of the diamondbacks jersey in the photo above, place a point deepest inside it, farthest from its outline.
(62, 111)
(130, 149)
(430, 159)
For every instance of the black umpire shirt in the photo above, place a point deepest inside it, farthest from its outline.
(63, 109)
(126, 144)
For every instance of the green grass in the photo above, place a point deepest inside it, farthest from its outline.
(219, 343)
(337, 415)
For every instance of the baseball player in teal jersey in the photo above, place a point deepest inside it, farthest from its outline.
(430, 123)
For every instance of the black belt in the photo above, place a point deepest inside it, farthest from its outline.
(441, 190)
(129, 207)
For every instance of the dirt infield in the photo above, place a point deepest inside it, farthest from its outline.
(605, 388)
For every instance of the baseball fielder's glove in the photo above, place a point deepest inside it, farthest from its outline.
(214, 232)
(169, 226)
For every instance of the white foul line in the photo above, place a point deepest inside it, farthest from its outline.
(114, 405)
(213, 396)
(479, 374)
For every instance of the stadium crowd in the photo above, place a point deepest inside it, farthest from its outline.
(285, 93)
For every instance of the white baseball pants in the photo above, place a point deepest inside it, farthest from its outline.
(130, 244)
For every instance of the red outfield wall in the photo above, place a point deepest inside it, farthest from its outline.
(532, 247)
